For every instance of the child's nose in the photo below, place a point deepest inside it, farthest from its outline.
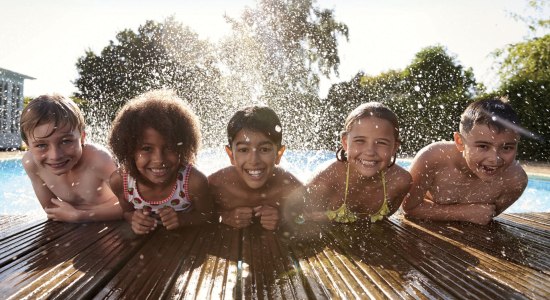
(55, 152)
(254, 155)
(495, 156)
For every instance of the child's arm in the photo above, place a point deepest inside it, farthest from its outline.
(514, 188)
(475, 212)
(43, 193)
(203, 207)
(422, 177)
(417, 204)
(141, 222)
(317, 193)
(398, 184)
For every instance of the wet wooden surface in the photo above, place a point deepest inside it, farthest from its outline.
(396, 259)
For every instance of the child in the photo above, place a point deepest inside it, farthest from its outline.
(69, 176)
(253, 186)
(155, 138)
(476, 177)
(364, 182)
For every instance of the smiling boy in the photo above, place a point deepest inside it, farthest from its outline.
(253, 186)
(474, 178)
(69, 177)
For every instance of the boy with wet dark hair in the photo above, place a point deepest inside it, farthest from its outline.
(70, 177)
(474, 178)
(253, 186)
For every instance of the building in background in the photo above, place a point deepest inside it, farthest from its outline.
(11, 105)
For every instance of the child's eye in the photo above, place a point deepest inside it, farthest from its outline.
(66, 141)
(383, 143)
(242, 150)
(509, 148)
(146, 148)
(265, 149)
(41, 146)
(359, 141)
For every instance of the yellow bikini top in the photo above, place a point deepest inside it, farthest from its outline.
(344, 215)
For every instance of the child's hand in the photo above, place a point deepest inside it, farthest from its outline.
(269, 216)
(482, 213)
(169, 218)
(62, 211)
(142, 222)
(239, 217)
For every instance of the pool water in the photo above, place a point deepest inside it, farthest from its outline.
(17, 195)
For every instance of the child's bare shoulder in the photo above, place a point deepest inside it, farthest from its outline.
(96, 153)
(28, 162)
(516, 175)
(221, 176)
(329, 172)
(399, 175)
(435, 154)
(287, 178)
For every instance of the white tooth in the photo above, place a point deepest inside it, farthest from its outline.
(254, 172)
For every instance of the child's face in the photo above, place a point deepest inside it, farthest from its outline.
(486, 151)
(57, 152)
(370, 145)
(254, 157)
(155, 160)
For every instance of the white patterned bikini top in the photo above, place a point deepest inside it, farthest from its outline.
(178, 199)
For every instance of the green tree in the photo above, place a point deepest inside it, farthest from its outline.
(524, 70)
(276, 55)
(159, 55)
(525, 77)
(428, 96)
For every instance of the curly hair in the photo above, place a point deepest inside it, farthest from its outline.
(162, 111)
(56, 109)
(369, 109)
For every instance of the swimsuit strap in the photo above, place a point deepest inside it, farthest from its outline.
(384, 209)
(347, 185)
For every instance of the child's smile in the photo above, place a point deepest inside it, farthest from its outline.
(254, 157)
(155, 160)
(370, 145)
(57, 149)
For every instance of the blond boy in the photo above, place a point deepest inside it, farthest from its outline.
(69, 177)
(474, 178)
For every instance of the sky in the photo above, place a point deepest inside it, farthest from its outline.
(44, 39)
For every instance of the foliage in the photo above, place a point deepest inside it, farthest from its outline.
(525, 76)
(428, 96)
(159, 55)
(275, 56)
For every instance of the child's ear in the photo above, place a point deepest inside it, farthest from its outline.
(83, 138)
(459, 142)
(230, 154)
(344, 140)
(280, 154)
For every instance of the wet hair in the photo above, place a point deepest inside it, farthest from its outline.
(365, 110)
(162, 111)
(494, 112)
(56, 109)
(256, 118)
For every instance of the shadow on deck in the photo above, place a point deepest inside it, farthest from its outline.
(396, 258)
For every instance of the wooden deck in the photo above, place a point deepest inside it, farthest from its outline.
(397, 258)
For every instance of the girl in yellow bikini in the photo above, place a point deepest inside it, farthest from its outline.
(364, 182)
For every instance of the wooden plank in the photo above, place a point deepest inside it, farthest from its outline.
(67, 260)
(396, 258)
(453, 243)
